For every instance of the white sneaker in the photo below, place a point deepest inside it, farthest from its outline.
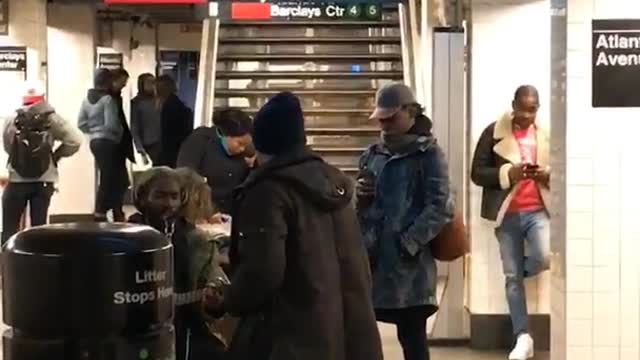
(523, 349)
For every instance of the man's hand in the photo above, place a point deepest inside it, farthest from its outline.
(251, 161)
(213, 300)
(517, 173)
(541, 176)
(365, 188)
(4, 181)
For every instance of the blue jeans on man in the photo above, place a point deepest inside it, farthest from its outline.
(515, 230)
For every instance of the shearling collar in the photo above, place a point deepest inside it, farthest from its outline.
(507, 145)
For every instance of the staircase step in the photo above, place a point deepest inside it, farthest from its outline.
(350, 170)
(307, 74)
(310, 57)
(356, 131)
(339, 150)
(311, 40)
(323, 111)
(266, 92)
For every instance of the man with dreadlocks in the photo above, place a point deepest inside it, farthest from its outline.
(159, 198)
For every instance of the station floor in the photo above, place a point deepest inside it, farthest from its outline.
(392, 350)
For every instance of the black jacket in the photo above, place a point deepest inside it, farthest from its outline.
(126, 142)
(203, 152)
(497, 151)
(298, 255)
(176, 125)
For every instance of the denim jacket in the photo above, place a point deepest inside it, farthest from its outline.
(412, 204)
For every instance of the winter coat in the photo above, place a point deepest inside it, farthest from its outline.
(204, 153)
(176, 126)
(497, 151)
(145, 122)
(126, 141)
(60, 131)
(412, 204)
(297, 255)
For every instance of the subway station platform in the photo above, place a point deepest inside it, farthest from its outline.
(392, 350)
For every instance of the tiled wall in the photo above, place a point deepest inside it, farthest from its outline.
(603, 204)
(510, 47)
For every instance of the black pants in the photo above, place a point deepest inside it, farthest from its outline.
(113, 177)
(155, 152)
(15, 198)
(411, 327)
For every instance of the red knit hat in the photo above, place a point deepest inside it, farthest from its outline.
(34, 93)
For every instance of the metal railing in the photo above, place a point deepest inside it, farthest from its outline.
(205, 95)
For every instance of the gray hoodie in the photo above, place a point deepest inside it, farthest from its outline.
(99, 116)
(60, 131)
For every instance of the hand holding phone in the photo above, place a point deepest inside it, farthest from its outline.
(531, 170)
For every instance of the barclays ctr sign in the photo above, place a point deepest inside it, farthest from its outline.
(367, 10)
(308, 10)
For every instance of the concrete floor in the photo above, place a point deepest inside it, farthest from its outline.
(392, 350)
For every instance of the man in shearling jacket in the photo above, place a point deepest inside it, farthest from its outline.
(511, 164)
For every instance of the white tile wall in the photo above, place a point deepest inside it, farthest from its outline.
(602, 299)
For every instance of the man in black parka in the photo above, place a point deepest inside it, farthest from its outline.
(297, 254)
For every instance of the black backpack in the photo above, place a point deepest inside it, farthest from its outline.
(31, 152)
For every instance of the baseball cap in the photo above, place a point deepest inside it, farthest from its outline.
(33, 92)
(390, 99)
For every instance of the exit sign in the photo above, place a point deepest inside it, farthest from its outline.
(154, 2)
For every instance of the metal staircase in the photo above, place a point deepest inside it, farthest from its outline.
(335, 67)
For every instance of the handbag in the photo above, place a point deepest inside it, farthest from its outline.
(451, 242)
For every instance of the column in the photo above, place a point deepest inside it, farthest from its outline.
(71, 53)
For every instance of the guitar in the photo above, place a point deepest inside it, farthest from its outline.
(221, 330)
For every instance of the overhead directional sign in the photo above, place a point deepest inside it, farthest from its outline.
(295, 10)
(13, 58)
(154, 2)
(616, 62)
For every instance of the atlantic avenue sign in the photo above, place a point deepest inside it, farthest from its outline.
(616, 63)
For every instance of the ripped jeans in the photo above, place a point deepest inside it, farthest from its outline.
(513, 232)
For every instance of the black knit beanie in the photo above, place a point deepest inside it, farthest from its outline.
(279, 125)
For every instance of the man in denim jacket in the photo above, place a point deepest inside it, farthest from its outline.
(403, 203)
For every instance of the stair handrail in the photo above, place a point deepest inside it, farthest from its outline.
(205, 93)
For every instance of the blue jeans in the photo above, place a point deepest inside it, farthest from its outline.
(515, 229)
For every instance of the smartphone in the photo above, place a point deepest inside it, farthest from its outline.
(530, 170)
